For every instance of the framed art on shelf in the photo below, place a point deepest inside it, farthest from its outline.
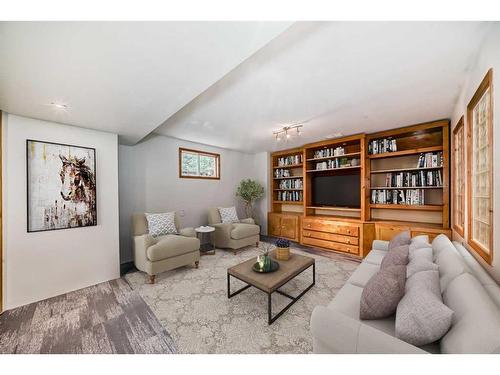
(61, 186)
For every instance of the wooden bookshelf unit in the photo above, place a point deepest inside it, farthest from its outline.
(412, 162)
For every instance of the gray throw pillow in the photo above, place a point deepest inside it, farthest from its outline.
(397, 256)
(422, 317)
(382, 293)
(421, 252)
(419, 264)
(400, 239)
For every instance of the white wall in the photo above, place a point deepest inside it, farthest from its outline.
(149, 182)
(488, 57)
(45, 264)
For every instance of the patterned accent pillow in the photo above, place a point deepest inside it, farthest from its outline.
(228, 215)
(161, 224)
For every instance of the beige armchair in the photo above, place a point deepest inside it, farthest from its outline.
(233, 235)
(163, 253)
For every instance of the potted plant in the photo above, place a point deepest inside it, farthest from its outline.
(250, 191)
(282, 249)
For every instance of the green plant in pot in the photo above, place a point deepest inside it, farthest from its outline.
(250, 191)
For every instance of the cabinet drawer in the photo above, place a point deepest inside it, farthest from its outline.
(331, 227)
(331, 237)
(331, 245)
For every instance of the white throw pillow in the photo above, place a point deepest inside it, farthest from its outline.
(228, 215)
(161, 224)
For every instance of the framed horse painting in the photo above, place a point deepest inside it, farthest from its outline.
(61, 186)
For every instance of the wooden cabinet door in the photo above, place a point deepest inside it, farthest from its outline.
(275, 225)
(289, 227)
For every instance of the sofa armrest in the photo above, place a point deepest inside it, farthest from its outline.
(335, 332)
(380, 245)
(247, 221)
(187, 232)
(141, 244)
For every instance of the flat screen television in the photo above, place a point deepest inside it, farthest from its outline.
(337, 190)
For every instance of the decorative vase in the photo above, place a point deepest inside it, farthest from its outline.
(267, 263)
(282, 253)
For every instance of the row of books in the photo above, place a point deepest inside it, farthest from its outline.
(282, 173)
(380, 146)
(327, 152)
(406, 197)
(290, 196)
(290, 160)
(430, 160)
(414, 179)
(291, 184)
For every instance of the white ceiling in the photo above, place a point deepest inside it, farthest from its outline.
(230, 84)
(120, 77)
(346, 77)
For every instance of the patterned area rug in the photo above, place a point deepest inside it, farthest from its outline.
(193, 307)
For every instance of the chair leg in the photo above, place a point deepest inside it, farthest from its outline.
(257, 244)
(196, 264)
(152, 279)
(235, 252)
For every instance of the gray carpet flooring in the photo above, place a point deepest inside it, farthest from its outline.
(104, 318)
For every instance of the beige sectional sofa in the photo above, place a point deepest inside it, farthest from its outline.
(469, 291)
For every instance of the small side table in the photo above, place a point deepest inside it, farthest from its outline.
(201, 232)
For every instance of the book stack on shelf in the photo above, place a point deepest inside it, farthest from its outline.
(329, 152)
(410, 197)
(414, 179)
(281, 173)
(291, 184)
(381, 146)
(289, 160)
(290, 196)
(430, 160)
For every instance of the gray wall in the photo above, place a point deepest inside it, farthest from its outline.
(149, 182)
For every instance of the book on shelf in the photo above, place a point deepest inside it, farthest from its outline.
(380, 146)
(328, 152)
(414, 179)
(430, 160)
(291, 184)
(411, 197)
(290, 196)
(289, 160)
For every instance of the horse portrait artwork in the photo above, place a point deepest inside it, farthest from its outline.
(61, 186)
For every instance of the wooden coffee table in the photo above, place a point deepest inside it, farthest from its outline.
(271, 282)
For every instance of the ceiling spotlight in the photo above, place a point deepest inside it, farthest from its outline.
(59, 105)
(286, 131)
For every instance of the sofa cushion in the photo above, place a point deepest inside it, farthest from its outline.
(363, 274)
(421, 252)
(241, 231)
(228, 214)
(170, 246)
(400, 239)
(421, 316)
(451, 265)
(420, 239)
(397, 256)
(476, 320)
(347, 302)
(375, 257)
(382, 293)
(161, 224)
(418, 265)
(440, 243)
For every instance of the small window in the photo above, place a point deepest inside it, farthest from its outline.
(459, 178)
(480, 153)
(198, 164)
